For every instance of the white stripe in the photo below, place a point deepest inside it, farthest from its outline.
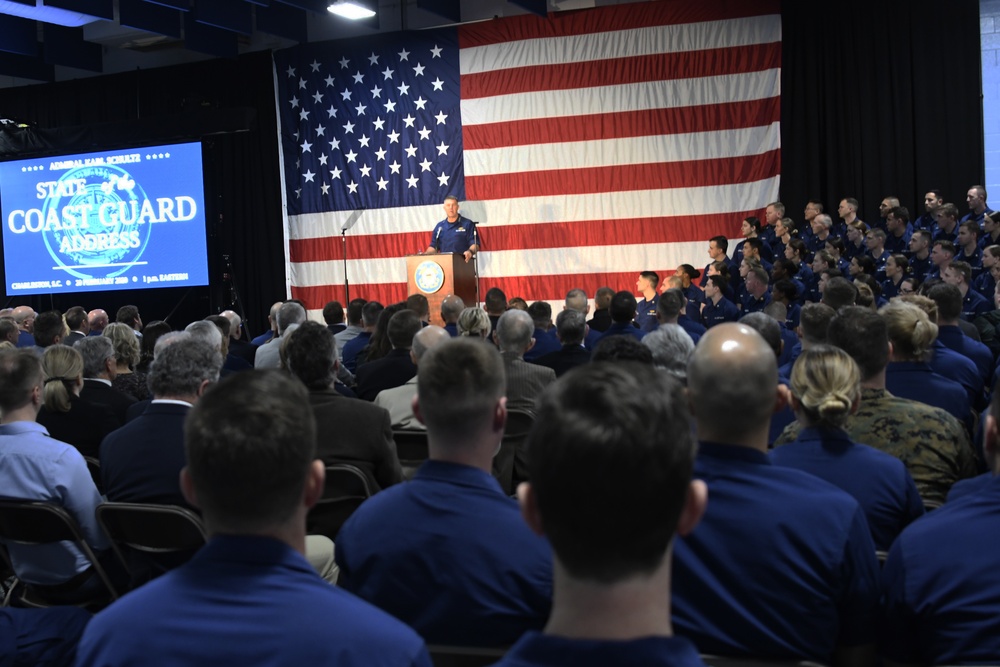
(626, 43)
(507, 263)
(707, 200)
(627, 151)
(622, 98)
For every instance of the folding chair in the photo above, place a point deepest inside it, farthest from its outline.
(411, 448)
(94, 468)
(346, 487)
(151, 539)
(34, 523)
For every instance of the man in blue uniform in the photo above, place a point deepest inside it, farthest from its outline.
(782, 565)
(717, 308)
(599, 430)
(978, 208)
(454, 233)
(645, 310)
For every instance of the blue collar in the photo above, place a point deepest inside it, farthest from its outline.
(719, 450)
(458, 474)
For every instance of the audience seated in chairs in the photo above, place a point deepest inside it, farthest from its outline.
(395, 367)
(571, 330)
(525, 382)
(249, 592)
(474, 323)
(126, 346)
(99, 369)
(399, 400)
(447, 552)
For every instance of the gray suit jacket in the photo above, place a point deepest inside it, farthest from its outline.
(524, 381)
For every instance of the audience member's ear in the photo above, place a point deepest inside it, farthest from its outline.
(315, 481)
(187, 488)
(530, 345)
(694, 507)
(991, 442)
(415, 405)
(500, 415)
(202, 388)
(529, 507)
(413, 357)
(782, 398)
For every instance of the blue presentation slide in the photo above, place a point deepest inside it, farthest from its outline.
(122, 219)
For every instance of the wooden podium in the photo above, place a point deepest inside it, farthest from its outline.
(438, 276)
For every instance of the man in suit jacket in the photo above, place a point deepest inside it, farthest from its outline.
(268, 355)
(238, 347)
(99, 370)
(396, 367)
(141, 461)
(79, 325)
(571, 329)
(524, 381)
(347, 430)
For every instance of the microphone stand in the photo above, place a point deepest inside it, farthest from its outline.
(352, 220)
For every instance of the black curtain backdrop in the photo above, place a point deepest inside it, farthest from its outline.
(878, 98)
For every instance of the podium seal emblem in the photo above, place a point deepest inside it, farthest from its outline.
(429, 277)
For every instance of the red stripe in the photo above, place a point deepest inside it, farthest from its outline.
(606, 19)
(623, 178)
(681, 120)
(620, 71)
(531, 288)
(584, 233)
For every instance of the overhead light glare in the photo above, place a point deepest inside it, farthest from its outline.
(350, 10)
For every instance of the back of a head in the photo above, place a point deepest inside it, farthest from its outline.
(514, 331)
(671, 303)
(495, 301)
(127, 315)
(430, 337)
(839, 292)
(602, 299)
(517, 302)
(623, 307)
(611, 454)
(222, 324)
(541, 314)
(8, 329)
(732, 365)
(379, 345)
(459, 383)
(180, 369)
(576, 299)
(402, 327)
(776, 311)
(948, 299)
(418, 304)
(290, 313)
(20, 373)
(333, 313)
(125, 343)
(370, 313)
(622, 348)
(474, 322)
(95, 350)
(814, 319)
(767, 327)
(62, 367)
(354, 309)
(248, 467)
(571, 327)
(151, 333)
(827, 382)
(309, 355)
(671, 347)
(864, 336)
(910, 330)
(49, 326)
(451, 307)
(234, 323)
(205, 331)
(75, 317)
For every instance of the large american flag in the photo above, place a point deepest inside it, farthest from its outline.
(588, 146)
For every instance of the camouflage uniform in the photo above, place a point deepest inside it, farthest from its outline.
(930, 442)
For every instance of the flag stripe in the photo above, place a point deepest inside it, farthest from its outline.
(626, 151)
(608, 19)
(521, 237)
(645, 122)
(623, 70)
(622, 98)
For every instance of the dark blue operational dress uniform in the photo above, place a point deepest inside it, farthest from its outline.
(878, 481)
(941, 586)
(724, 311)
(645, 313)
(456, 236)
(535, 649)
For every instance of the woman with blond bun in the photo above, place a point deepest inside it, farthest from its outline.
(912, 332)
(474, 323)
(826, 391)
(65, 415)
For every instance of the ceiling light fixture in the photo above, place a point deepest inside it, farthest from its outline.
(350, 10)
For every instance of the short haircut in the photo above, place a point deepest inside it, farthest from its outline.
(760, 273)
(622, 348)
(779, 208)
(75, 317)
(958, 267)
(290, 313)
(61, 367)
(207, 332)
(370, 313)
(852, 202)
(452, 307)
(814, 320)
(181, 368)
(611, 453)
(127, 315)
(719, 281)
(827, 382)
(721, 242)
(541, 314)
(517, 302)
(972, 227)
(354, 311)
(495, 301)
(824, 220)
(767, 327)
(20, 373)
(910, 329)
(125, 343)
(946, 246)
(922, 233)
(948, 299)
(756, 243)
(49, 326)
(652, 276)
(623, 307)
(993, 250)
(603, 296)
(776, 310)
(514, 331)
(309, 355)
(8, 327)
(418, 304)
(249, 467)
(459, 383)
(818, 205)
(671, 347)
(95, 350)
(451, 197)
(864, 336)
(900, 213)
(571, 326)
(576, 299)
(839, 292)
(222, 323)
(473, 322)
(877, 234)
(832, 273)
(949, 210)
(671, 304)
(402, 327)
(333, 313)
